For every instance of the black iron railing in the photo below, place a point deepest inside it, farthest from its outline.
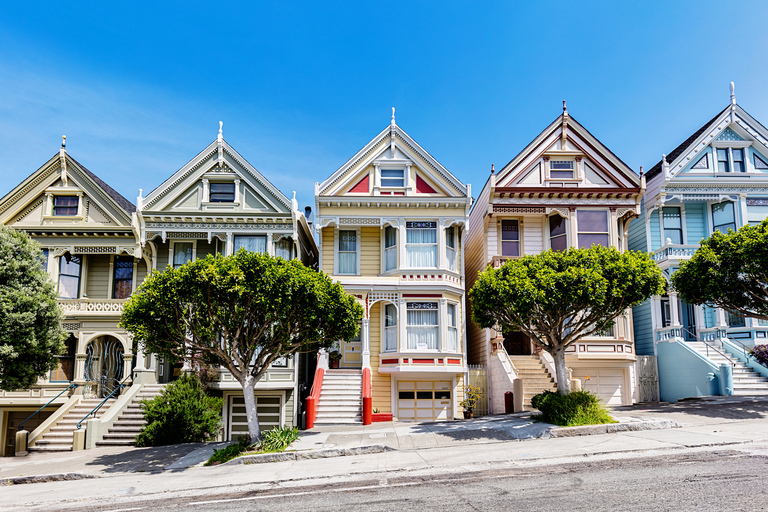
(71, 386)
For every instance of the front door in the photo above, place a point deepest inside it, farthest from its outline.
(351, 354)
(517, 344)
(689, 321)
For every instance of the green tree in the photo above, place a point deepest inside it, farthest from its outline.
(31, 335)
(242, 312)
(556, 298)
(729, 271)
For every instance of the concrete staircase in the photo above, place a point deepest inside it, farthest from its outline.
(745, 381)
(61, 436)
(536, 378)
(130, 422)
(341, 398)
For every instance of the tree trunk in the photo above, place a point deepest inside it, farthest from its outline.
(251, 413)
(563, 383)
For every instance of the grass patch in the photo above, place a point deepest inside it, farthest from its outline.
(273, 441)
(571, 410)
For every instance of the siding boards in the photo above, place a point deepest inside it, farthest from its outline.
(327, 251)
(204, 248)
(643, 328)
(162, 256)
(533, 238)
(290, 404)
(381, 389)
(370, 251)
(97, 286)
(695, 224)
(637, 237)
(140, 267)
(655, 233)
(477, 257)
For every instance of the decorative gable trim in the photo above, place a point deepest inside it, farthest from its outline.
(422, 187)
(26, 186)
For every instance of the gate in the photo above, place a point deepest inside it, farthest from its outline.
(103, 367)
(478, 376)
(647, 379)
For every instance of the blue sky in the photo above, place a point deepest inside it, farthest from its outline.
(139, 87)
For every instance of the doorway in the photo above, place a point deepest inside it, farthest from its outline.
(517, 344)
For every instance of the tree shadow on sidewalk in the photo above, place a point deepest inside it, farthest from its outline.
(726, 408)
(143, 459)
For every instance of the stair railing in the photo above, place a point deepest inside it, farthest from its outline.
(746, 350)
(71, 386)
(367, 400)
(709, 346)
(313, 399)
(96, 409)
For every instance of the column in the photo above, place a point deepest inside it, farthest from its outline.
(656, 312)
(441, 321)
(721, 321)
(206, 190)
(441, 247)
(230, 249)
(237, 191)
(402, 237)
(402, 318)
(674, 309)
(365, 338)
(574, 228)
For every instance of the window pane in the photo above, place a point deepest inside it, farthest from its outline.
(421, 244)
(723, 217)
(592, 221)
(255, 243)
(44, 262)
(182, 253)
(123, 281)
(222, 192)
(347, 263)
(589, 239)
(559, 243)
(421, 236)
(65, 205)
(283, 249)
(348, 241)
(392, 177)
(421, 255)
(671, 217)
(70, 265)
(510, 248)
(451, 314)
(69, 287)
(510, 230)
(450, 240)
(390, 236)
(556, 225)
(561, 174)
(722, 160)
(390, 315)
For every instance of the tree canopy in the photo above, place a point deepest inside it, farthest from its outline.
(729, 271)
(556, 298)
(242, 312)
(31, 335)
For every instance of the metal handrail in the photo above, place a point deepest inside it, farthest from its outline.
(706, 344)
(72, 385)
(747, 355)
(95, 409)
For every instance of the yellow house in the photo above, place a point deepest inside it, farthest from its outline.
(392, 222)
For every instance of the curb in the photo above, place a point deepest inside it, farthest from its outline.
(319, 454)
(611, 428)
(60, 477)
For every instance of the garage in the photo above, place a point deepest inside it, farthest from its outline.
(607, 383)
(269, 410)
(424, 401)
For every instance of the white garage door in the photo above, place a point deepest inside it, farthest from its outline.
(424, 401)
(268, 408)
(607, 383)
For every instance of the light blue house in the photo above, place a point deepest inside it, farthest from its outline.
(717, 179)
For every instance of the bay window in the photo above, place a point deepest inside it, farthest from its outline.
(673, 225)
(723, 217)
(421, 244)
(123, 277)
(558, 239)
(510, 238)
(348, 252)
(390, 248)
(450, 248)
(252, 243)
(422, 328)
(593, 228)
(390, 328)
(452, 341)
(70, 268)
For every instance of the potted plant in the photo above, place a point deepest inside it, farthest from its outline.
(334, 358)
(472, 395)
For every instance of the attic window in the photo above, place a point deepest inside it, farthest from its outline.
(393, 178)
(222, 192)
(561, 169)
(759, 162)
(65, 205)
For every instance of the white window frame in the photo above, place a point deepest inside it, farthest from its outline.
(240, 235)
(608, 225)
(392, 165)
(395, 328)
(729, 146)
(567, 234)
(436, 244)
(519, 237)
(438, 326)
(384, 249)
(172, 245)
(451, 260)
(336, 235)
(455, 328)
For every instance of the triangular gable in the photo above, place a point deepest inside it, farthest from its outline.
(422, 187)
(600, 166)
(729, 134)
(183, 191)
(25, 205)
(393, 147)
(362, 186)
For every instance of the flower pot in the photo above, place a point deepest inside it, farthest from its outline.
(334, 364)
(468, 414)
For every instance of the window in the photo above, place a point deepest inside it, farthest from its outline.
(723, 164)
(723, 217)
(65, 205)
(347, 252)
(182, 253)
(421, 326)
(390, 248)
(44, 261)
(510, 238)
(730, 160)
(738, 160)
(558, 239)
(69, 276)
(283, 249)
(65, 370)
(390, 328)
(735, 320)
(666, 313)
(593, 228)
(560, 169)
(393, 178)
(450, 248)
(421, 244)
(252, 243)
(452, 343)
(673, 226)
(222, 193)
(123, 277)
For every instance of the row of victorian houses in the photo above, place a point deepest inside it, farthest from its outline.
(402, 235)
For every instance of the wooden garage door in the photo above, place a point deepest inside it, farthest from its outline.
(607, 383)
(424, 401)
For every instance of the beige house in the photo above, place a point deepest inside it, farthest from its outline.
(565, 189)
(392, 223)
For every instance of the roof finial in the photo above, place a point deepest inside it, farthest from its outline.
(641, 170)
(733, 94)
(564, 107)
(221, 126)
(492, 169)
(63, 141)
(393, 116)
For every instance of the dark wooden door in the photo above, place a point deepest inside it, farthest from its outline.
(517, 344)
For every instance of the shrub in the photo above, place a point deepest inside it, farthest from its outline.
(575, 408)
(278, 439)
(760, 353)
(229, 452)
(181, 413)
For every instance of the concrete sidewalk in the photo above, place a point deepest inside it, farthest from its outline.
(711, 421)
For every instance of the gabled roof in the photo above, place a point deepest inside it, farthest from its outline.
(125, 204)
(400, 138)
